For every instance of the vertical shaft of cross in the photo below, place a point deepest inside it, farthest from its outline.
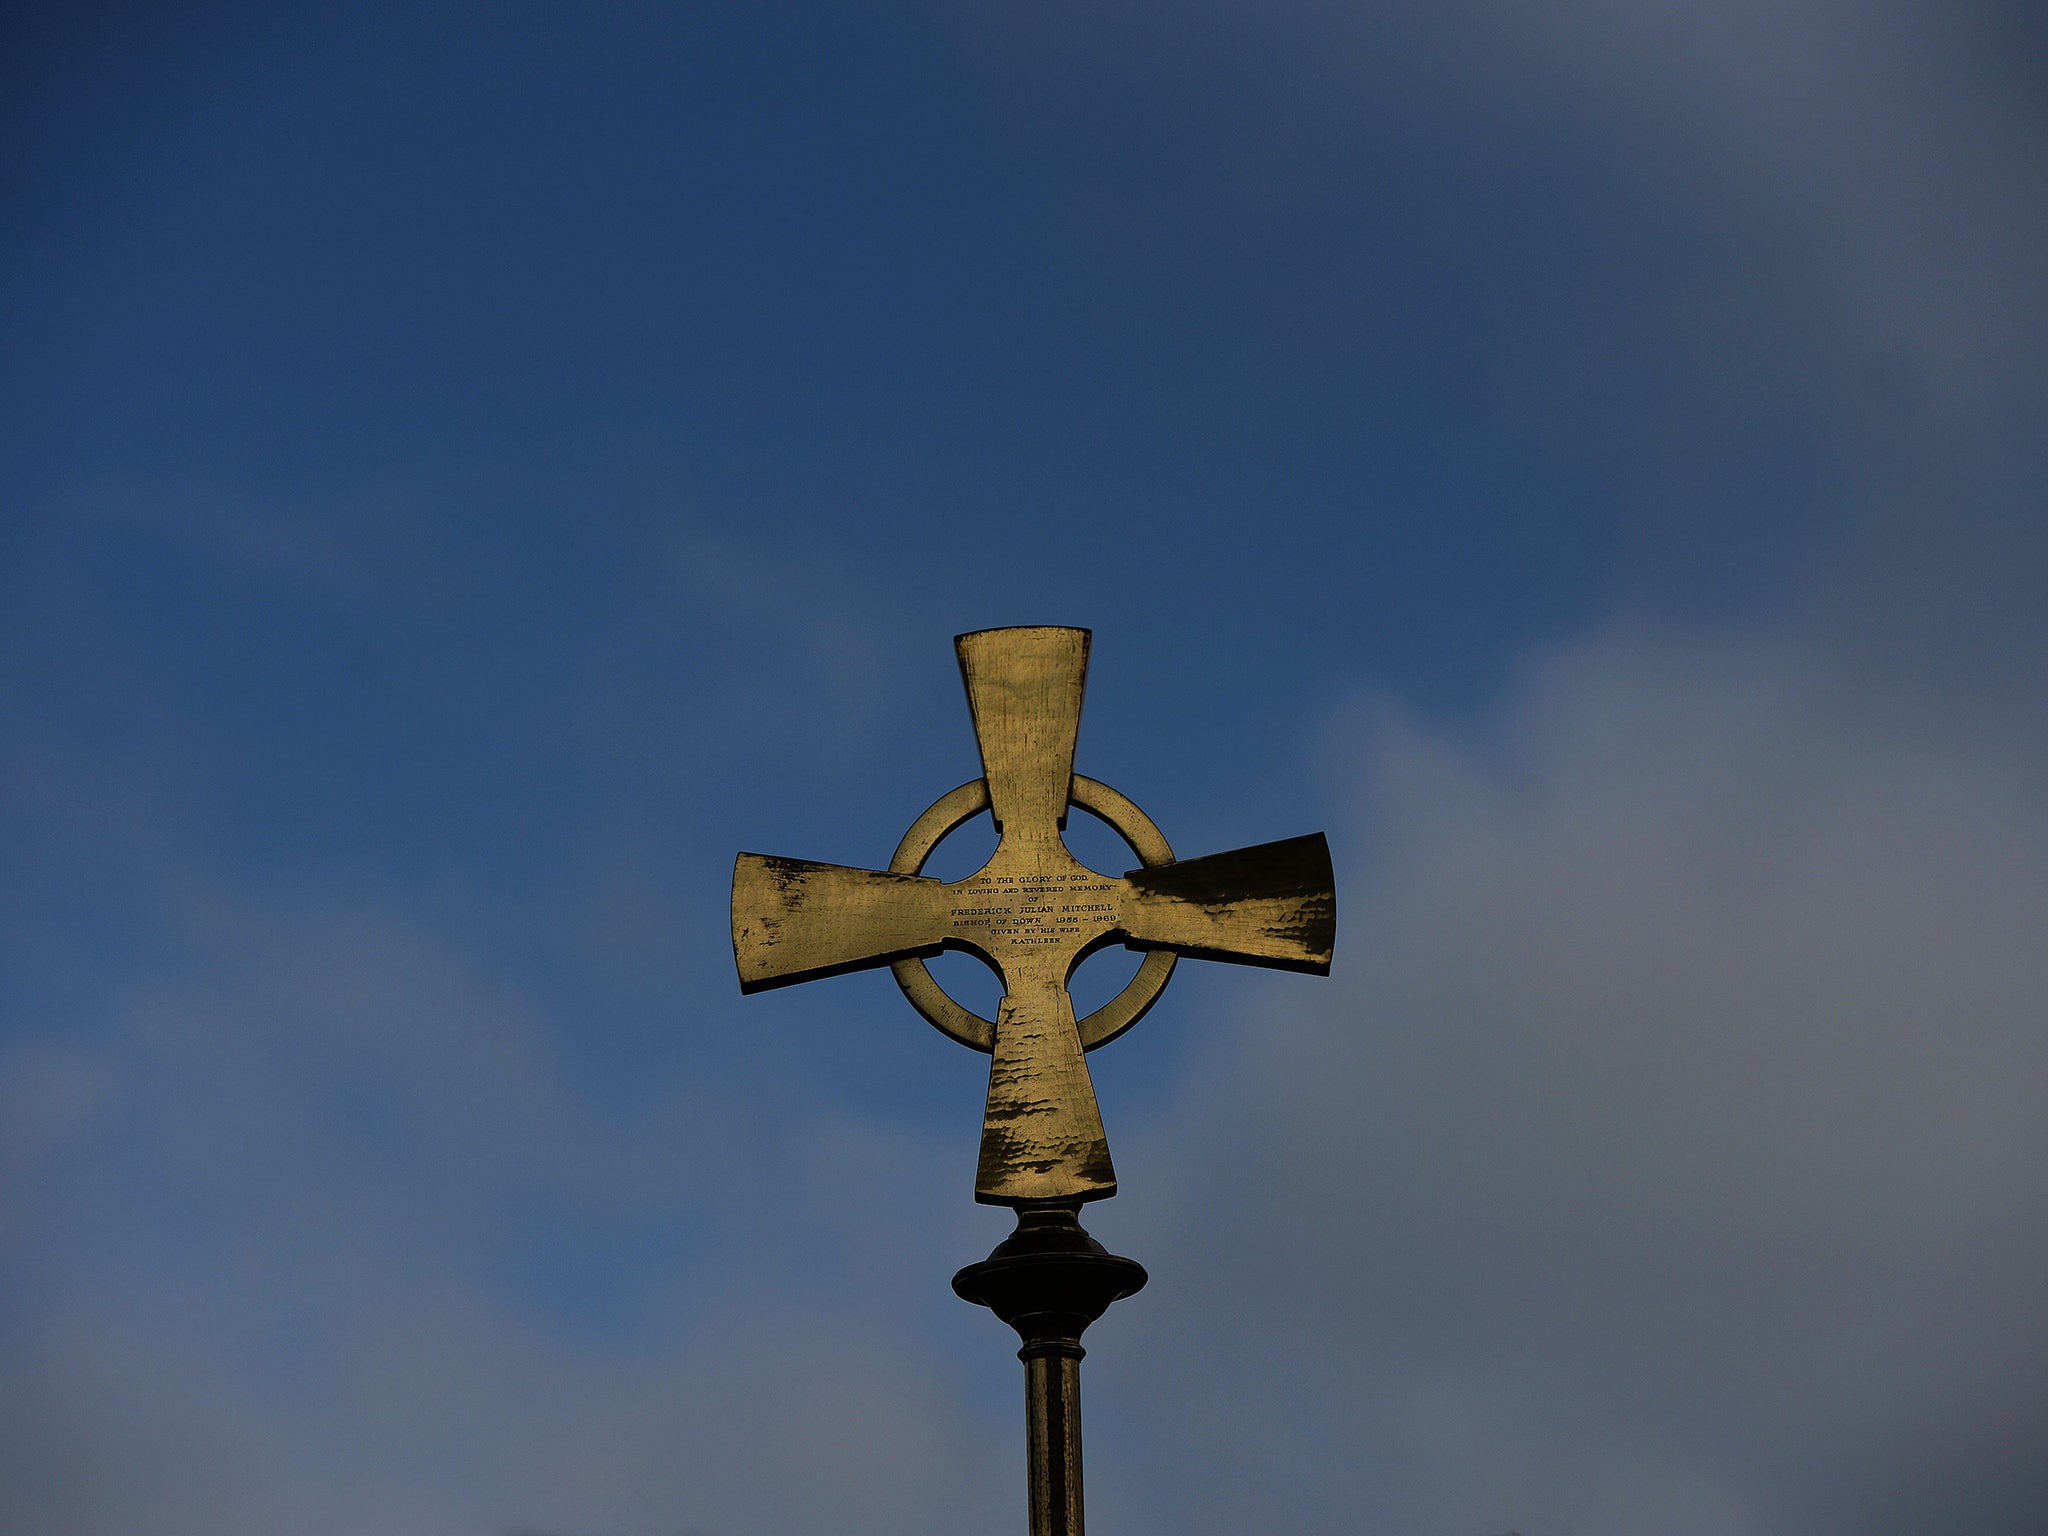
(1049, 1280)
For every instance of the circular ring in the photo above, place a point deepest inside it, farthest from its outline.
(954, 809)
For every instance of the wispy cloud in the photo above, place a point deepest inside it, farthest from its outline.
(319, 1233)
(1661, 1154)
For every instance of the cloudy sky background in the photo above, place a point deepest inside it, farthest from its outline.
(470, 469)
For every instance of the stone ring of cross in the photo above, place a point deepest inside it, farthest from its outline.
(955, 810)
(1033, 912)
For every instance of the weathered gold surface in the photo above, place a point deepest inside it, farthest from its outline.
(1033, 912)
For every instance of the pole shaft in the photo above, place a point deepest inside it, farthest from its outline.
(1052, 1416)
(1049, 1280)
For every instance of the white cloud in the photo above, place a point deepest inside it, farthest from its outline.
(1664, 1154)
(273, 1258)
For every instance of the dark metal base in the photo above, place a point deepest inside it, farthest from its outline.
(1049, 1280)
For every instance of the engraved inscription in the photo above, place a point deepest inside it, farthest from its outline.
(1065, 908)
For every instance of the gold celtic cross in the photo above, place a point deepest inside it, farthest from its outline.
(1033, 913)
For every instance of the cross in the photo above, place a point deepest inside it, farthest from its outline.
(1033, 913)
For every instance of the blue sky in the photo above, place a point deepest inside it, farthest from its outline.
(471, 469)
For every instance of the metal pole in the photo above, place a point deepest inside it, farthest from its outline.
(1049, 1280)
(1052, 1434)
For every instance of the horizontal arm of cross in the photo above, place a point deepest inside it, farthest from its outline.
(1274, 904)
(793, 920)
